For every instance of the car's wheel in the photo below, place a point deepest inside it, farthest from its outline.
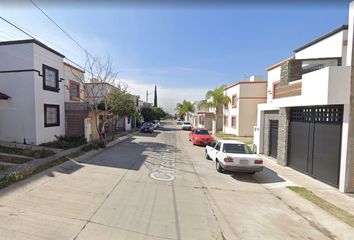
(218, 167)
(207, 155)
(251, 173)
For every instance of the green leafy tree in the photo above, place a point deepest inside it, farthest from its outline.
(183, 108)
(215, 99)
(153, 113)
(121, 103)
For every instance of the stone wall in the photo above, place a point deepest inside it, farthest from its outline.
(290, 71)
(268, 115)
(283, 129)
(283, 136)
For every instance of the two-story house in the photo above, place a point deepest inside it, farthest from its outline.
(32, 74)
(76, 109)
(304, 124)
(240, 115)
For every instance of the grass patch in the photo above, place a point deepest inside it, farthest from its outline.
(226, 136)
(11, 159)
(327, 206)
(64, 142)
(42, 153)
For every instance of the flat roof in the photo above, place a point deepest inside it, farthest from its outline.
(336, 30)
(239, 83)
(35, 41)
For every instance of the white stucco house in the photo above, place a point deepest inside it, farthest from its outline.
(240, 115)
(32, 76)
(304, 123)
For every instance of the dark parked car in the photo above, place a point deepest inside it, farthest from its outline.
(147, 127)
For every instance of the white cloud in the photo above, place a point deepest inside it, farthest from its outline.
(167, 98)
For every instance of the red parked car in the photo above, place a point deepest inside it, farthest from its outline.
(200, 136)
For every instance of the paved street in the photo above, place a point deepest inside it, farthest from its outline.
(152, 186)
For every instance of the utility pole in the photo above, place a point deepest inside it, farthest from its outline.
(147, 96)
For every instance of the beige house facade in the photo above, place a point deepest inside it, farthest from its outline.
(240, 115)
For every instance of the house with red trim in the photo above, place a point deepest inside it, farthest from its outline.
(76, 109)
(240, 115)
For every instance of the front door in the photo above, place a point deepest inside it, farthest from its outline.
(273, 138)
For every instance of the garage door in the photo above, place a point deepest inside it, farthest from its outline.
(315, 141)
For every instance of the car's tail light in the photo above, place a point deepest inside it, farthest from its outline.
(258, 161)
(228, 159)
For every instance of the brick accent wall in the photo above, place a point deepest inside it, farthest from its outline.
(75, 114)
(290, 90)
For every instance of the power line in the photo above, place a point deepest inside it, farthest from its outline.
(67, 34)
(17, 27)
(26, 33)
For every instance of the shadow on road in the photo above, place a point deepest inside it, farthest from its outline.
(130, 155)
(142, 134)
(265, 176)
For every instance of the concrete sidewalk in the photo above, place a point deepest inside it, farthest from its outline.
(275, 178)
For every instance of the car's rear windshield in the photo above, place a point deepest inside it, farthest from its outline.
(201, 132)
(147, 124)
(187, 123)
(236, 148)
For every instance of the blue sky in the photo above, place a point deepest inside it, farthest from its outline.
(185, 49)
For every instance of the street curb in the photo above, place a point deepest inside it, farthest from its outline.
(36, 164)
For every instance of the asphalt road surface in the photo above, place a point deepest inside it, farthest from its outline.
(152, 186)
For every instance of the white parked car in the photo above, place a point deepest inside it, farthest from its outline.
(186, 125)
(179, 122)
(233, 156)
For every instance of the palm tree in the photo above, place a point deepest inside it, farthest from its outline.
(183, 108)
(215, 99)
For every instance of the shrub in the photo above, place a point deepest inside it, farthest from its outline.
(27, 152)
(93, 145)
(65, 142)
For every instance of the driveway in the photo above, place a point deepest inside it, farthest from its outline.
(152, 186)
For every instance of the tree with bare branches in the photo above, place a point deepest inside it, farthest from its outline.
(99, 82)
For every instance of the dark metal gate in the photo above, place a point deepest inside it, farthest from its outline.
(315, 141)
(273, 138)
